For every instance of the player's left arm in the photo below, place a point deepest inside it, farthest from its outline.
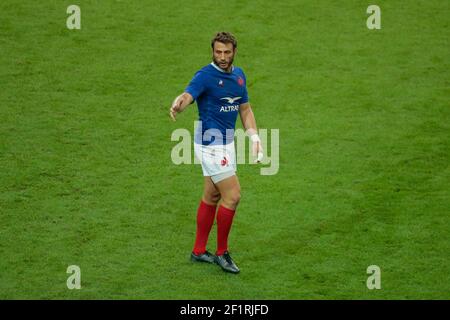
(249, 124)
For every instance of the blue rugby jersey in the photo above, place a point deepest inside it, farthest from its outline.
(218, 95)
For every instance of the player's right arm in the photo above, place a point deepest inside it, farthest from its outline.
(179, 104)
(195, 88)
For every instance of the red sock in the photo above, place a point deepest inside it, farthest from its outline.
(224, 221)
(205, 220)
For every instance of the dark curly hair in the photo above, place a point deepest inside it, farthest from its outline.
(224, 37)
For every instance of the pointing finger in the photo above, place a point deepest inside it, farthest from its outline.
(172, 115)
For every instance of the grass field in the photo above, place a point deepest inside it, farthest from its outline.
(86, 176)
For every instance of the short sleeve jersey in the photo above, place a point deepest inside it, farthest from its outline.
(218, 95)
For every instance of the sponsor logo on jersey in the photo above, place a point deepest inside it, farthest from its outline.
(230, 99)
(229, 108)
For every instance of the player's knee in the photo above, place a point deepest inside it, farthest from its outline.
(235, 197)
(215, 197)
(212, 198)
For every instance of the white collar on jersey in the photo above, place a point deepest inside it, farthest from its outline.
(214, 65)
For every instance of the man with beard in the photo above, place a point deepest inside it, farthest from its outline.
(221, 93)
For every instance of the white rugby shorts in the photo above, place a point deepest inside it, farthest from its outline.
(218, 161)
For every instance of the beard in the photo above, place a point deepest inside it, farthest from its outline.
(229, 63)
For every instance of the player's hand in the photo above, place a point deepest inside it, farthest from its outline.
(173, 113)
(175, 108)
(257, 151)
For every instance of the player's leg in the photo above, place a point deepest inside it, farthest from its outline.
(205, 219)
(230, 192)
(211, 194)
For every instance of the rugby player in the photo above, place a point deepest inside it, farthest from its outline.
(220, 90)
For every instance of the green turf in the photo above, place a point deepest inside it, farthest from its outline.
(86, 176)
